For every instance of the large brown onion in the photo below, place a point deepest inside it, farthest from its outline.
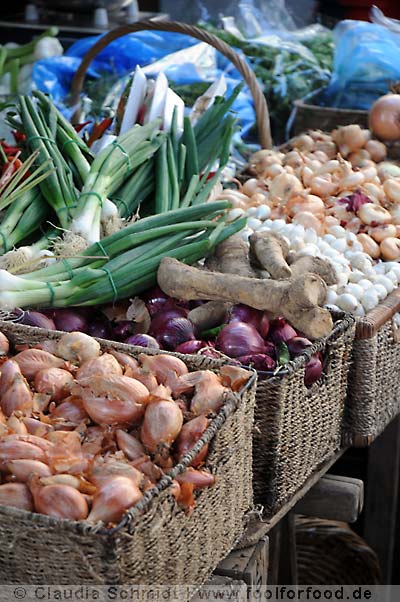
(384, 117)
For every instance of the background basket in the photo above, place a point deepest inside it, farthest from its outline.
(329, 552)
(260, 104)
(297, 428)
(374, 381)
(156, 542)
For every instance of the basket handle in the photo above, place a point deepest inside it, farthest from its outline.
(260, 104)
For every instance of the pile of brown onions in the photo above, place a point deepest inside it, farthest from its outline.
(314, 181)
(83, 434)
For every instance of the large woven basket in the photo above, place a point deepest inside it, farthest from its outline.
(156, 543)
(329, 552)
(374, 380)
(297, 428)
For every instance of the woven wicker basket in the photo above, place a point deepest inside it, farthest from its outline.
(297, 428)
(374, 380)
(329, 552)
(156, 542)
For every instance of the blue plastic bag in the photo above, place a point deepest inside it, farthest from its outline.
(366, 63)
(54, 76)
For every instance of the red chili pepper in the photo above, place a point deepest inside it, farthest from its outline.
(8, 149)
(15, 165)
(79, 126)
(19, 136)
(99, 129)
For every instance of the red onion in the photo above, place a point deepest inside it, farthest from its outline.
(174, 332)
(35, 318)
(142, 340)
(99, 328)
(162, 317)
(259, 361)
(244, 313)
(280, 331)
(238, 339)
(69, 320)
(355, 201)
(270, 349)
(264, 325)
(297, 345)
(313, 371)
(191, 346)
(123, 329)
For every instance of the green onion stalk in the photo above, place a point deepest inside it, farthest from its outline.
(118, 277)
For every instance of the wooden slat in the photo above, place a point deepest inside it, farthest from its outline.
(248, 564)
(287, 572)
(381, 500)
(333, 498)
(219, 583)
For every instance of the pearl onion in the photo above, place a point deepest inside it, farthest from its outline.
(380, 268)
(370, 299)
(381, 291)
(234, 214)
(263, 212)
(355, 289)
(309, 250)
(329, 238)
(366, 284)
(254, 223)
(392, 276)
(310, 236)
(331, 297)
(251, 211)
(339, 245)
(337, 231)
(347, 302)
(246, 233)
(385, 281)
(359, 312)
(356, 276)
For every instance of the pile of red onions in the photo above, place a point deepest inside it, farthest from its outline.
(246, 334)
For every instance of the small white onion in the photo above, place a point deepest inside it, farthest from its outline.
(251, 211)
(254, 223)
(380, 291)
(385, 281)
(340, 245)
(234, 214)
(370, 299)
(359, 312)
(347, 302)
(392, 276)
(366, 284)
(337, 231)
(356, 276)
(331, 297)
(355, 289)
(263, 212)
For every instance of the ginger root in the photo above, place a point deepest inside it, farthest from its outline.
(270, 251)
(297, 300)
(315, 265)
(231, 257)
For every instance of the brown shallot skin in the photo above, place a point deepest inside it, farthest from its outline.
(4, 345)
(19, 450)
(162, 424)
(55, 382)
(24, 469)
(188, 437)
(198, 478)
(131, 446)
(31, 361)
(103, 365)
(114, 496)
(71, 410)
(113, 399)
(16, 495)
(18, 396)
(59, 501)
(209, 393)
(162, 365)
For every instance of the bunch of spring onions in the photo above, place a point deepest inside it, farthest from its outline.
(166, 176)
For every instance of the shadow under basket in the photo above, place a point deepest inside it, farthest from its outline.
(297, 429)
(374, 381)
(329, 552)
(157, 542)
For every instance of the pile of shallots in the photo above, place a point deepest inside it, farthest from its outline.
(325, 180)
(84, 433)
